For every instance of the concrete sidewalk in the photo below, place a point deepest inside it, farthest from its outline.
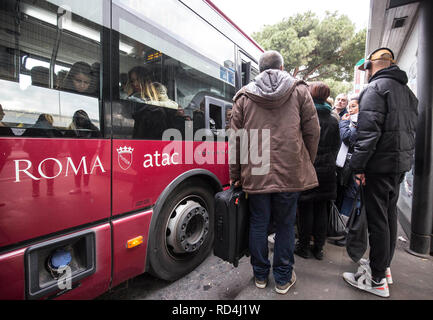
(215, 279)
(412, 276)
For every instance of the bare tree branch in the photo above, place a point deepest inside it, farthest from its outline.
(312, 71)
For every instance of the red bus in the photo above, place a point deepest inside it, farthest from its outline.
(109, 151)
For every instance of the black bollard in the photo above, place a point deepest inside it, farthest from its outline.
(422, 205)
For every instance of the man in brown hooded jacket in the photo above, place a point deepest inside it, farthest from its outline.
(274, 114)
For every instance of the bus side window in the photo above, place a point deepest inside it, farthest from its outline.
(181, 77)
(50, 67)
(153, 110)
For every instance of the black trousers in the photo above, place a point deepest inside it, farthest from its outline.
(381, 195)
(313, 221)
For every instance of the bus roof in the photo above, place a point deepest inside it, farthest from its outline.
(210, 3)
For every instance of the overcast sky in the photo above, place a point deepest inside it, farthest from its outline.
(251, 15)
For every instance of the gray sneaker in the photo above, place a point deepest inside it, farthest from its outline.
(261, 284)
(283, 289)
(366, 262)
(363, 280)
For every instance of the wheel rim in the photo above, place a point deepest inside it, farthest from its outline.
(187, 227)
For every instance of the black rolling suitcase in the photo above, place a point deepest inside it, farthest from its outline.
(231, 225)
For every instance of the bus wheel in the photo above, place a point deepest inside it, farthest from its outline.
(184, 231)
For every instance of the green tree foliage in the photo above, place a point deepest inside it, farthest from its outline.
(315, 49)
(338, 87)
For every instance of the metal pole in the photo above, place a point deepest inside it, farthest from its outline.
(422, 205)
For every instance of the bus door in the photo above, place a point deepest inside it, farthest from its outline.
(217, 115)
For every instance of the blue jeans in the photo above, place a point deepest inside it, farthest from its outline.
(346, 206)
(282, 206)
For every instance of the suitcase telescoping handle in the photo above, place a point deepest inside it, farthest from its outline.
(233, 189)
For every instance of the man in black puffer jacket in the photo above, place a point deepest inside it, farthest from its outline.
(384, 151)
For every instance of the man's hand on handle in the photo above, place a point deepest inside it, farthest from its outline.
(236, 183)
(360, 178)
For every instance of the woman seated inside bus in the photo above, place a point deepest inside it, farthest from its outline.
(82, 127)
(80, 79)
(141, 89)
(43, 128)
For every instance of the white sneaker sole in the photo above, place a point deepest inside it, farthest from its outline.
(284, 291)
(350, 279)
(261, 286)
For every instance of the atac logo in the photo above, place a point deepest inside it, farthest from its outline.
(124, 157)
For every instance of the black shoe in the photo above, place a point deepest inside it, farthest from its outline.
(317, 253)
(302, 251)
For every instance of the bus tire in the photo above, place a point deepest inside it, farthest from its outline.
(184, 231)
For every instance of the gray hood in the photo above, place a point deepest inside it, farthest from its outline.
(271, 84)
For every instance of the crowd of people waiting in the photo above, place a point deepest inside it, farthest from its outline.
(337, 185)
(308, 138)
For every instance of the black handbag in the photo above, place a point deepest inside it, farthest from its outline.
(357, 228)
(336, 224)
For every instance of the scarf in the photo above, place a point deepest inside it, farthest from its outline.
(322, 106)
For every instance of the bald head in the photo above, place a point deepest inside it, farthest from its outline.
(384, 61)
(271, 60)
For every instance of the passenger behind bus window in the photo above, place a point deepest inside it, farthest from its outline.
(80, 79)
(140, 87)
(4, 129)
(150, 120)
(82, 127)
(43, 128)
